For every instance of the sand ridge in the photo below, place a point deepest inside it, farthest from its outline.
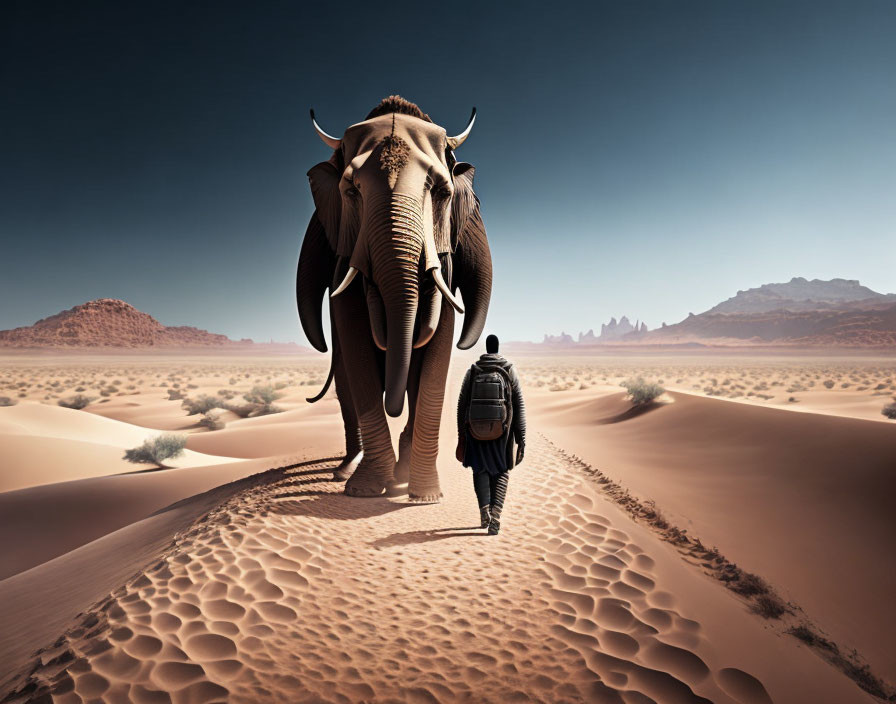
(291, 591)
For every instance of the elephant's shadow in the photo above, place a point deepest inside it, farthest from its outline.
(314, 492)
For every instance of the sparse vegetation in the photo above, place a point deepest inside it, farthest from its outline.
(768, 606)
(212, 421)
(263, 397)
(7, 401)
(77, 402)
(157, 450)
(200, 404)
(890, 410)
(642, 392)
(850, 664)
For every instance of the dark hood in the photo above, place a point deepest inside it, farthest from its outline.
(493, 360)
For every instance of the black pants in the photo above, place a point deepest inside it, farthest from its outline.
(491, 490)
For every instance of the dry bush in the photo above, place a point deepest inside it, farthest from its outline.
(642, 392)
(212, 421)
(77, 402)
(201, 404)
(157, 450)
(768, 606)
(7, 401)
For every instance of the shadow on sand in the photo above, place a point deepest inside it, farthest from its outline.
(314, 492)
(632, 412)
(425, 536)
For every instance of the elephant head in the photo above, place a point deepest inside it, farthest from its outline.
(394, 205)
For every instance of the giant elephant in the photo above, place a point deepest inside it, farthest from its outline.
(396, 233)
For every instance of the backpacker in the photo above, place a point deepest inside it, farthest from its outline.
(488, 416)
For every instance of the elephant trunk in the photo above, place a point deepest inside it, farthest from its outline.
(395, 247)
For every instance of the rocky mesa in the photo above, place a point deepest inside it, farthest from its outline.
(109, 322)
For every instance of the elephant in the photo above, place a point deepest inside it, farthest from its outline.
(395, 235)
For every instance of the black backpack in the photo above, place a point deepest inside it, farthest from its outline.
(489, 414)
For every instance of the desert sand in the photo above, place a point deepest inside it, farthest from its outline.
(248, 576)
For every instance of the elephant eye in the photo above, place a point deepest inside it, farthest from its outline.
(442, 192)
(352, 192)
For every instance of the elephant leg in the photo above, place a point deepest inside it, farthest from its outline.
(353, 445)
(405, 440)
(361, 369)
(423, 483)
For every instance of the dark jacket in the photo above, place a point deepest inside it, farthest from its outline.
(499, 455)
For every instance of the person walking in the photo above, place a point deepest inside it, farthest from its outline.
(491, 422)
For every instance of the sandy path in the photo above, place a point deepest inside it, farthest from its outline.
(291, 591)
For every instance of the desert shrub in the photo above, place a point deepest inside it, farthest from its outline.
(243, 410)
(263, 397)
(769, 606)
(77, 402)
(174, 395)
(200, 404)
(7, 401)
(211, 420)
(829, 384)
(157, 450)
(642, 392)
(748, 584)
(890, 411)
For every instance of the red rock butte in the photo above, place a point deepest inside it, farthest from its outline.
(109, 322)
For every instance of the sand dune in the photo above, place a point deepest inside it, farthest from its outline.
(271, 594)
(795, 497)
(308, 429)
(46, 444)
(86, 509)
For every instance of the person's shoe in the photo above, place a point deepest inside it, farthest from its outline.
(494, 525)
(485, 515)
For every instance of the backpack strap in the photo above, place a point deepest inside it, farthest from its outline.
(508, 395)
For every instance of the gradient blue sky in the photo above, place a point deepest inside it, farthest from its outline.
(637, 158)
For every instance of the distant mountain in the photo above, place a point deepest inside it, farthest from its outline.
(109, 322)
(838, 313)
(799, 294)
(561, 339)
(614, 330)
(798, 313)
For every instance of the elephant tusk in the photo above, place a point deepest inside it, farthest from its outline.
(443, 287)
(349, 277)
(455, 142)
(327, 139)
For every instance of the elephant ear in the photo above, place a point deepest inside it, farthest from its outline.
(314, 275)
(472, 260)
(324, 179)
(464, 201)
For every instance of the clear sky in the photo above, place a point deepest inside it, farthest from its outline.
(637, 158)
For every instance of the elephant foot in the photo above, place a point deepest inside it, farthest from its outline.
(424, 489)
(402, 472)
(365, 485)
(432, 498)
(347, 467)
